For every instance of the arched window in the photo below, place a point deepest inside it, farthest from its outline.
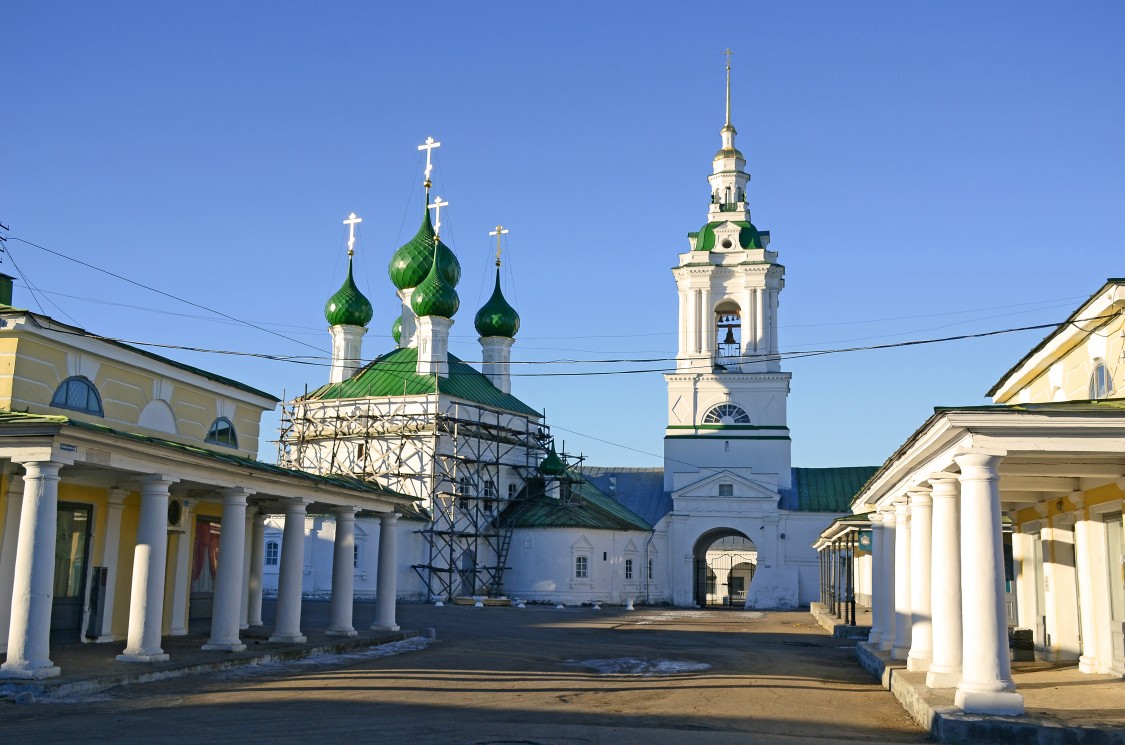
(1101, 382)
(222, 433)
(271, 554)
(581, 567)
(77, 393)
(628, 569)
(726, 414)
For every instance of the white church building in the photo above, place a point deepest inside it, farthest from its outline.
(500, 512)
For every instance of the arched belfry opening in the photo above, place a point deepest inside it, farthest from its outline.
(725, 563)
(728, 329)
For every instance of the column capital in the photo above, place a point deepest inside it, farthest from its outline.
(919, 495)
(116, 495)
(388, 518)
(41, 469)
(876, 517)
(156, 483)
(345, 511)
(236, 495)
(979, 465)
(888, 518)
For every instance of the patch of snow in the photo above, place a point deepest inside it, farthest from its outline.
(639, 667)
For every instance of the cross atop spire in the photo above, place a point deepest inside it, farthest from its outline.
(728, 53)
(499, 232)
(428, 146)
(351, 222)
(436, 206)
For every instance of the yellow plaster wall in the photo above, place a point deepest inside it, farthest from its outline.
(1077, 366)
(7, 370)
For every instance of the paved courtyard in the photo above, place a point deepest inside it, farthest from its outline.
(507, 675)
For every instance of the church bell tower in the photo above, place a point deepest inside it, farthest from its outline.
(727, 397)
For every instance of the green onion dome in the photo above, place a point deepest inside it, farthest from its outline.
(411, 262)
(396, 330)
(435, 295)
(552, 465)
(497, 317)
(348, 307)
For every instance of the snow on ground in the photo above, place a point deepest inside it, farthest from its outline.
(639, 667)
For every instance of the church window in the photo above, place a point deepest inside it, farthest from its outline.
(360, 451)
(355, 556)
(650, 569)
(222, 433)
(490, 488)
(1101, 382)
(271, 554)
(728, 326)
(727, 413)
(511, 491)
(581, 567)
(77, 393)
(726, 490)
(628, 569)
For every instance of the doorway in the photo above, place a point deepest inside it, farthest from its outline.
(204, 566)
(725, 562)
(72, 555)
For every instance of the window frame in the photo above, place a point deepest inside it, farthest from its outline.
(61, 397)
(581, 567)
(727, 409)
(276, 554)
(629, 570)
(212, 436)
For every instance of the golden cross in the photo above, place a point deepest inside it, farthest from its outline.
(351, 222)
(436, 207)
(428, 146)
(728, 53)
(499, 232)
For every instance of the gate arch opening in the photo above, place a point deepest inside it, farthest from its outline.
(725, 562)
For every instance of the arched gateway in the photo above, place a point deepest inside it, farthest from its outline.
(725, 560)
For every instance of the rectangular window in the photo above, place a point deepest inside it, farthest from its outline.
(511, 491)
(628, 569)
(271, 554)
(726, 490)
(650, 569)
(355, 556)
(489, 489)
(581, 567)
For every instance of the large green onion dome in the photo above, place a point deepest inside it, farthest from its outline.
(552, 465)
(348, 307)
(411, 262)
(396, 330)
(434, 295)
(497, 317)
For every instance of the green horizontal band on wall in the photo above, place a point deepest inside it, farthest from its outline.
(726, 426)
(731, 437)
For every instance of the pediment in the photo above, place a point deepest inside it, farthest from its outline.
(708, 486)
(582, 542)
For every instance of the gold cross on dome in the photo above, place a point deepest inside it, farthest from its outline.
(429, 146)
(499, 232)
(351, 222)
(436, 206)
(728, 53)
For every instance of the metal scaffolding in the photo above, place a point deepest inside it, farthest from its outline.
(462, 461)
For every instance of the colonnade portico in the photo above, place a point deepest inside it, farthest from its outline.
(161, 561)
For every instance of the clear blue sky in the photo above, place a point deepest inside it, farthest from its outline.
(925, 169)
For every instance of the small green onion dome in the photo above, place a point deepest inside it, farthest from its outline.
(396, 330)
(552, 465)
(435, 295)
(497, 317)
(348, 307)
(411, 262)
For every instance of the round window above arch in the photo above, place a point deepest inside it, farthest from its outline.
(726, 413)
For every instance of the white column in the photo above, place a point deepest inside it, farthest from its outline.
(181, 580)
(706, 324)
(146, 602)
(9, 538)
(773, 321)
(760, 311)
(33, 581)
(902, 579)
(257, 564)
(1083, 528)
(945, 582)
(921, 552)
(878, 592)
(247, 561)
(115, 505)
(1062, 588)
(228, 580)
(343, 574)
(746, 316)
(387, 587)
(287, 627)
(682, 350)
(986, 685)
(888, 578)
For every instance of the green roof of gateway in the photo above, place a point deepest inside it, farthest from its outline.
(829, 489)
(394, 374)
(586, 507)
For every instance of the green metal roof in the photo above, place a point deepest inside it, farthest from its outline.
(829, 489)
(435, 295)
(748, 236)
(348, 307)
(411, 262)
(24, 420)
(586, 508)
(394, 374)
(497, 317)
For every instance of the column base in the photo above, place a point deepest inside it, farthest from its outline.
(943, 678)
(29, 670)
(1001, 703)
(1087, 665)
(106, 638)
(235, 646)
(157, 656)
(900, 653)
(289, 638)
(918, 663)
(177, 632)
(875, 637)
(384, 627)
(885, 645)
(243, 626)
(341, 632)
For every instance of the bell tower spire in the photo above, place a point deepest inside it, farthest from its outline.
(729, 177)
